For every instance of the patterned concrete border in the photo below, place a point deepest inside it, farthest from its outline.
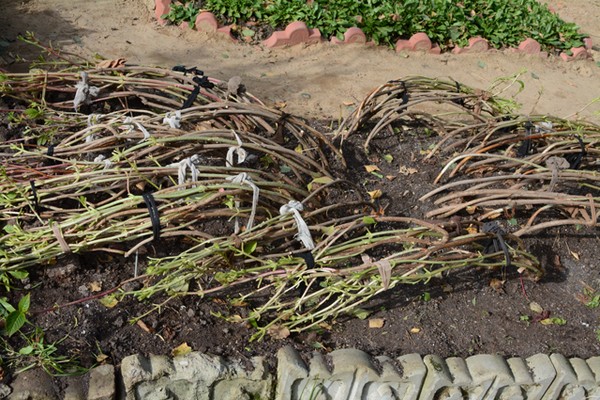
(342, 374)
(297, 32)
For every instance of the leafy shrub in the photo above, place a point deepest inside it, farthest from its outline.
(504, 23)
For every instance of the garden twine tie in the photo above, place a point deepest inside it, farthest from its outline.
(238, 150)
(182, 167)
(241, 179)
(294, 207)
(84, 92)
(173, 119)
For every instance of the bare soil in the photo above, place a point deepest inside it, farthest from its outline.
(459, 315)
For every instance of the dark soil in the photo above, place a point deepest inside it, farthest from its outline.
(461, 314)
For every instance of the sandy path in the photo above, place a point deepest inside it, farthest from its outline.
(314, 81)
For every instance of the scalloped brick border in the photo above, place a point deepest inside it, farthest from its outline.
(297, 32)
(353, 35)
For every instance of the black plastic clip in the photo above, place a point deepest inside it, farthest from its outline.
(36, 201)
(496, 243)
(576, 159)
(525, 147)
(154, 217)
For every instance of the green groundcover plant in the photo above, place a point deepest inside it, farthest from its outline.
(504, 23)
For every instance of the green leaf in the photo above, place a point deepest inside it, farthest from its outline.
(20, 275)
(554, 321)
(26, 350)
(24, 303)
(14, 322)
(369, 220)
(250, 247)
(361, 313)
(388, 158)
(6, 305)
(248, 32)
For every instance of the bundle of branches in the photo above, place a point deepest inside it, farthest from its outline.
(247, 185)
(287, 293)
(533, 165)
(402, 102)
(142, 98)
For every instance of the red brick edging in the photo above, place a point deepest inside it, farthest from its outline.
(297, 32)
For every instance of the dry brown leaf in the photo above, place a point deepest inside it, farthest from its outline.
(144, 327)
(415, 330)
(375, 194)
(497, 285)
(385, 270)
(376, 323)
(278, 332)
(471, 209)
(575, 255)
(100, 358)
(181, 350)
(472, 229)
(371, 168)
(95, 286)
(404, 170)
(390, 177)
(117, 63)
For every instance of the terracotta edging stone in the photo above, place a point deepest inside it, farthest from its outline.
(418, 42)
(351, 36)
(578, 53)
(207, 22)
(161, 7)
(295, 33)
(476, 45)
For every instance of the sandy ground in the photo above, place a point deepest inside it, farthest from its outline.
(318, 81)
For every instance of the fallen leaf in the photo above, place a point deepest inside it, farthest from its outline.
(471, 209)
(348, 103)
(447, 288)
(575, 255)
(375, 194)
(404, 170)
(371, 168)
(322, 180)
(360, 313)
(385, 270)
(235, 318)
(95, 286)
(109, 301)
(117, 63)
(181, 350)
(535, 307)
(415, 330)
(553, 321)
(390, 177)
(144, 327)
(376, 323)
(278, 332)
(497, 285)
(100, 358)
(326, 326)
(299, 149)
(472, 229)
(388, 158)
